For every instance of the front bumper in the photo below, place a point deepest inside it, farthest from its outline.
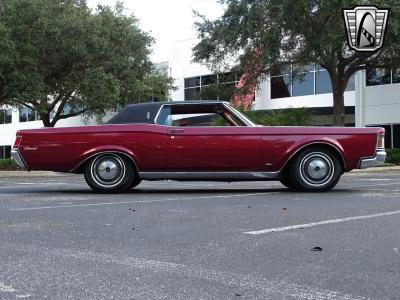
(18, 159)
(377, 161)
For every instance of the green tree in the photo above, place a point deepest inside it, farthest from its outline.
(299, 32)
(62, 58)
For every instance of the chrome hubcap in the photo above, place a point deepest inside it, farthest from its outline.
(317, 168)
(108, 170)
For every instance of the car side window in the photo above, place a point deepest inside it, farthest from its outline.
(197, 116)
(164, 117)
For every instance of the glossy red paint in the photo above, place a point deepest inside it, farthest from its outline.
(279, 144)
(162, 148)
(63, 149)
(213, 149)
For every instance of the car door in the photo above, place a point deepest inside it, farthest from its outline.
(209, 148)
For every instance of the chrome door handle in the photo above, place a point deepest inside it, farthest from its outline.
(175, 131)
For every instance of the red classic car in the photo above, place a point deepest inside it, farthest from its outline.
(198, 140)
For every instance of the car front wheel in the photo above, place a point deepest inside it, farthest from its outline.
(315, 170)
(110, 173)
(287, 181)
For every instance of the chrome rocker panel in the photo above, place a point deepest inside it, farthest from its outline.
(219, 176)
(377, 161)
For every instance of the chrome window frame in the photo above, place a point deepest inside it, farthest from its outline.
(226, 105)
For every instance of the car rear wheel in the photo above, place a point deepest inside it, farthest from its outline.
(135, 182)
(315, 170)
(110, 173)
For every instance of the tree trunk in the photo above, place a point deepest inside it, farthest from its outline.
(339, 112)
(339, 84)
(45, 117)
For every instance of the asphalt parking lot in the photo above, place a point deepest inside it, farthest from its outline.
(200, 240)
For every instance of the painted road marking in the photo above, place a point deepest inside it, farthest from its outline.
(141, 201)
(326, 222)
(275, 288)
(6, 288)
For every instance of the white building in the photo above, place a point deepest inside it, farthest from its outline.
(372, 98)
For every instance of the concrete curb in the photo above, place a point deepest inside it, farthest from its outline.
(377, 169)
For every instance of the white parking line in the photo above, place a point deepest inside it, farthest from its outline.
(141, 201)
(361, 186)
(269, 288)
(326, 222)
(6, 288)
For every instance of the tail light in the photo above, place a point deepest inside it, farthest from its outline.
(381, 141)
(17, 141)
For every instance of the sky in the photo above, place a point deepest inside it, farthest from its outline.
(166, 20)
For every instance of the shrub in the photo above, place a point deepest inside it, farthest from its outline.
(288, 117)
(8, 164)
(393, 156)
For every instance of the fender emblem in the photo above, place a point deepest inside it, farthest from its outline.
(27, 148)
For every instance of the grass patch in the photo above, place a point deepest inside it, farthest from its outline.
(393, 156)
(8, 164)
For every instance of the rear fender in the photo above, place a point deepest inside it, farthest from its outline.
(82, 159)
(303, 144)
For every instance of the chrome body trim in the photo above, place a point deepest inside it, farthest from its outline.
(240, 116)
(223, 176)
(376, 161)
(225, 104)
(157, 115)
(19, 160)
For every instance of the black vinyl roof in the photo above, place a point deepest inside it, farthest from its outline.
(146, 112)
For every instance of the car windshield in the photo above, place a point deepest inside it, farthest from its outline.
(242, 116)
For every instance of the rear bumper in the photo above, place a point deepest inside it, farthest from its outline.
(377, 161)
(18, 159)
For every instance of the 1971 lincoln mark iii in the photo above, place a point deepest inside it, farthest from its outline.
(198, 140)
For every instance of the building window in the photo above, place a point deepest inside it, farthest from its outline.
(396, 76)
(23, 114)
(281, 87)
(5, 116)
(382, 76)
(210, 87)
(192, 82)
(351, 85)
(209, 79)
(27, 115)
(304, 85)
(388, 136)
(5, 152)
(8, 118)
(396, 136)
(309, 80)
(323, 83)
(378, 76)
(192, 93)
